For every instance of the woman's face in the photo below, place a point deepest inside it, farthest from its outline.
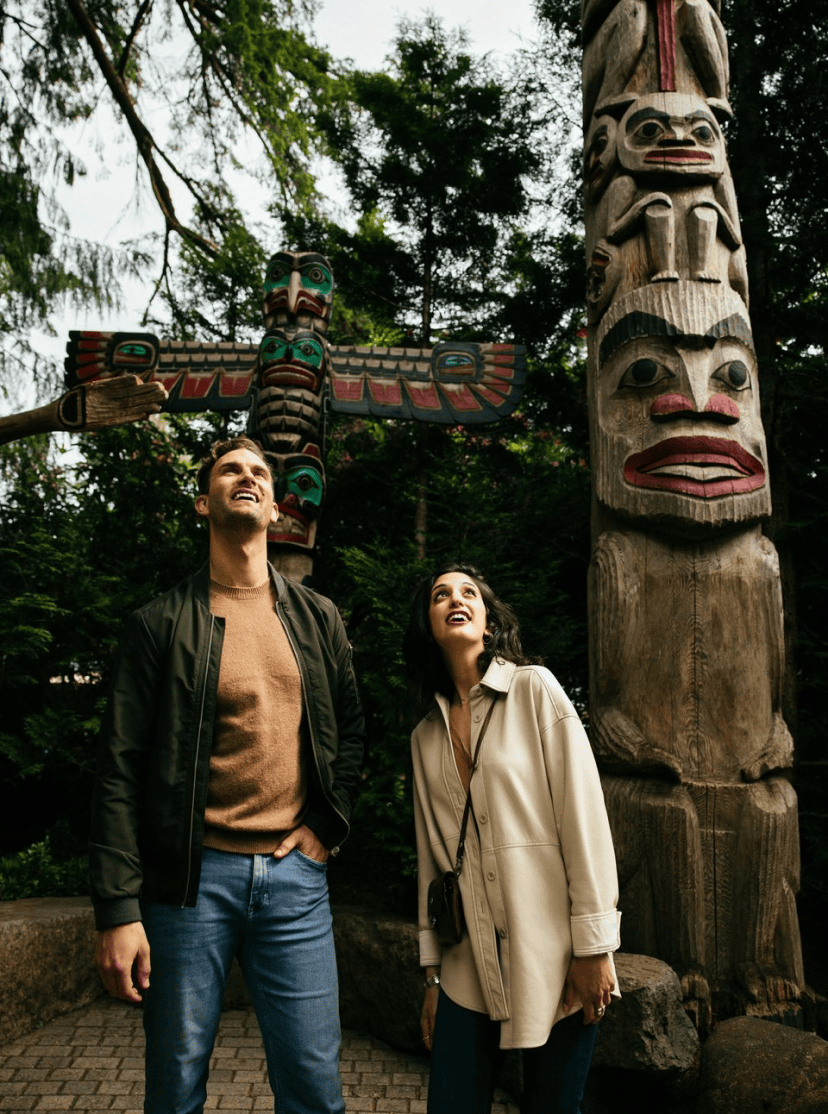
(457, 613)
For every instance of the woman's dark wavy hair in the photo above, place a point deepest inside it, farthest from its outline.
(424, 666)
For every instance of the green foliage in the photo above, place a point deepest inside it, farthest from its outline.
(80, 548)
(512, 499)
(440, 150)
(36, 872)
(237, 76)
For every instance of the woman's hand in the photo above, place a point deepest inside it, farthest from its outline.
(589, 979)
(429, 1009)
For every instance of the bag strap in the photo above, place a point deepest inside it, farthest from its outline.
(461, 844)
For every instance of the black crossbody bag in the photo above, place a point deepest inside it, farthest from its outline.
(445, 905)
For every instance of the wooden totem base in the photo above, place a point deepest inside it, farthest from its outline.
(291, 563)
(708, 875)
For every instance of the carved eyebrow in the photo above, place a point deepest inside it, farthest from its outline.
(638, 324)
(648, 114)
(699, 114)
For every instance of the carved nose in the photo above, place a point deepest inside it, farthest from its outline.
(719, 408)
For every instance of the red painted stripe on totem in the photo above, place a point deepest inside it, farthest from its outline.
(461, 398)
(679, 156)
(425, 397)
(671, 404)
(235, 386)
(349, 390)
(492, 396)
(698, 459)
(666, 20)
(505, 365)
(721, 404)
(197, 386)
(167, 379)
(387, 392)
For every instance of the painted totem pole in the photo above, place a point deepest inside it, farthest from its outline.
(685, 601)
(294, 377)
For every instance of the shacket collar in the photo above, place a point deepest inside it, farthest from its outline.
(497, 678)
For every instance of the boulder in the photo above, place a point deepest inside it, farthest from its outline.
(380, 980)
(647, 1030)
(46, 961)
(751, 1066)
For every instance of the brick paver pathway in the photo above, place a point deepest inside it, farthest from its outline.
(91, 1060)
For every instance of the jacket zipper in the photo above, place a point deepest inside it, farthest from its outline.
(300, 662)
(195, 762)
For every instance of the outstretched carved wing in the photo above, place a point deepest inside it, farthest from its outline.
(453, 383)
(197, 376)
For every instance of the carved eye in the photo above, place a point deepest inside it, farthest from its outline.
(273, 350)
(317, 277)
(734, 375)
(649, 131)
(644, 373)
(277, 275)
(704, 133)
(309, 351)
(306, 484)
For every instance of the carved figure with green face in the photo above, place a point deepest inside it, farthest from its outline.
(299, 484)
(677, 431)
(298, 290)
(293, 358)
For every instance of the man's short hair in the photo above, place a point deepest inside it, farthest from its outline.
(219, 449)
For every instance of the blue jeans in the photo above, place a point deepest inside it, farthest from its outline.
(465, 1057)
(275, 915)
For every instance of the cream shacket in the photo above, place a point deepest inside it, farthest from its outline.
(539, 885)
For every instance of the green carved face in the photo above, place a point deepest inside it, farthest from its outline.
(306, 484)
(299, 481)
(292, 357)
(298, 285)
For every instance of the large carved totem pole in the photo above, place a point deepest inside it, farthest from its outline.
(686, 653)
(293, 378)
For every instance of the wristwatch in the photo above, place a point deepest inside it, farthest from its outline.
(432, 980)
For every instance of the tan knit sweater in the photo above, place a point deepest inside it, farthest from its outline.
(257, 788)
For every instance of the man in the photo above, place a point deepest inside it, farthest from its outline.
(228, 767)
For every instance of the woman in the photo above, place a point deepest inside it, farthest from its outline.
(533, 969)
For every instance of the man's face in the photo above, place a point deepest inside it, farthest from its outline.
(240, 496)
(677, 429)
(671, 133)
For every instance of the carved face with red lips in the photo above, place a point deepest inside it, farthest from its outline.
(671, 133)
(298, 290)
(299, 484)
(293, 358)
(679, 435)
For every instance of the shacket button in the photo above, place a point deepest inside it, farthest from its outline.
(477, 719)
(503, 934)
(483, 818)
(491, 876)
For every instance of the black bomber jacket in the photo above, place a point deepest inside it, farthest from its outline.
(156, 738)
